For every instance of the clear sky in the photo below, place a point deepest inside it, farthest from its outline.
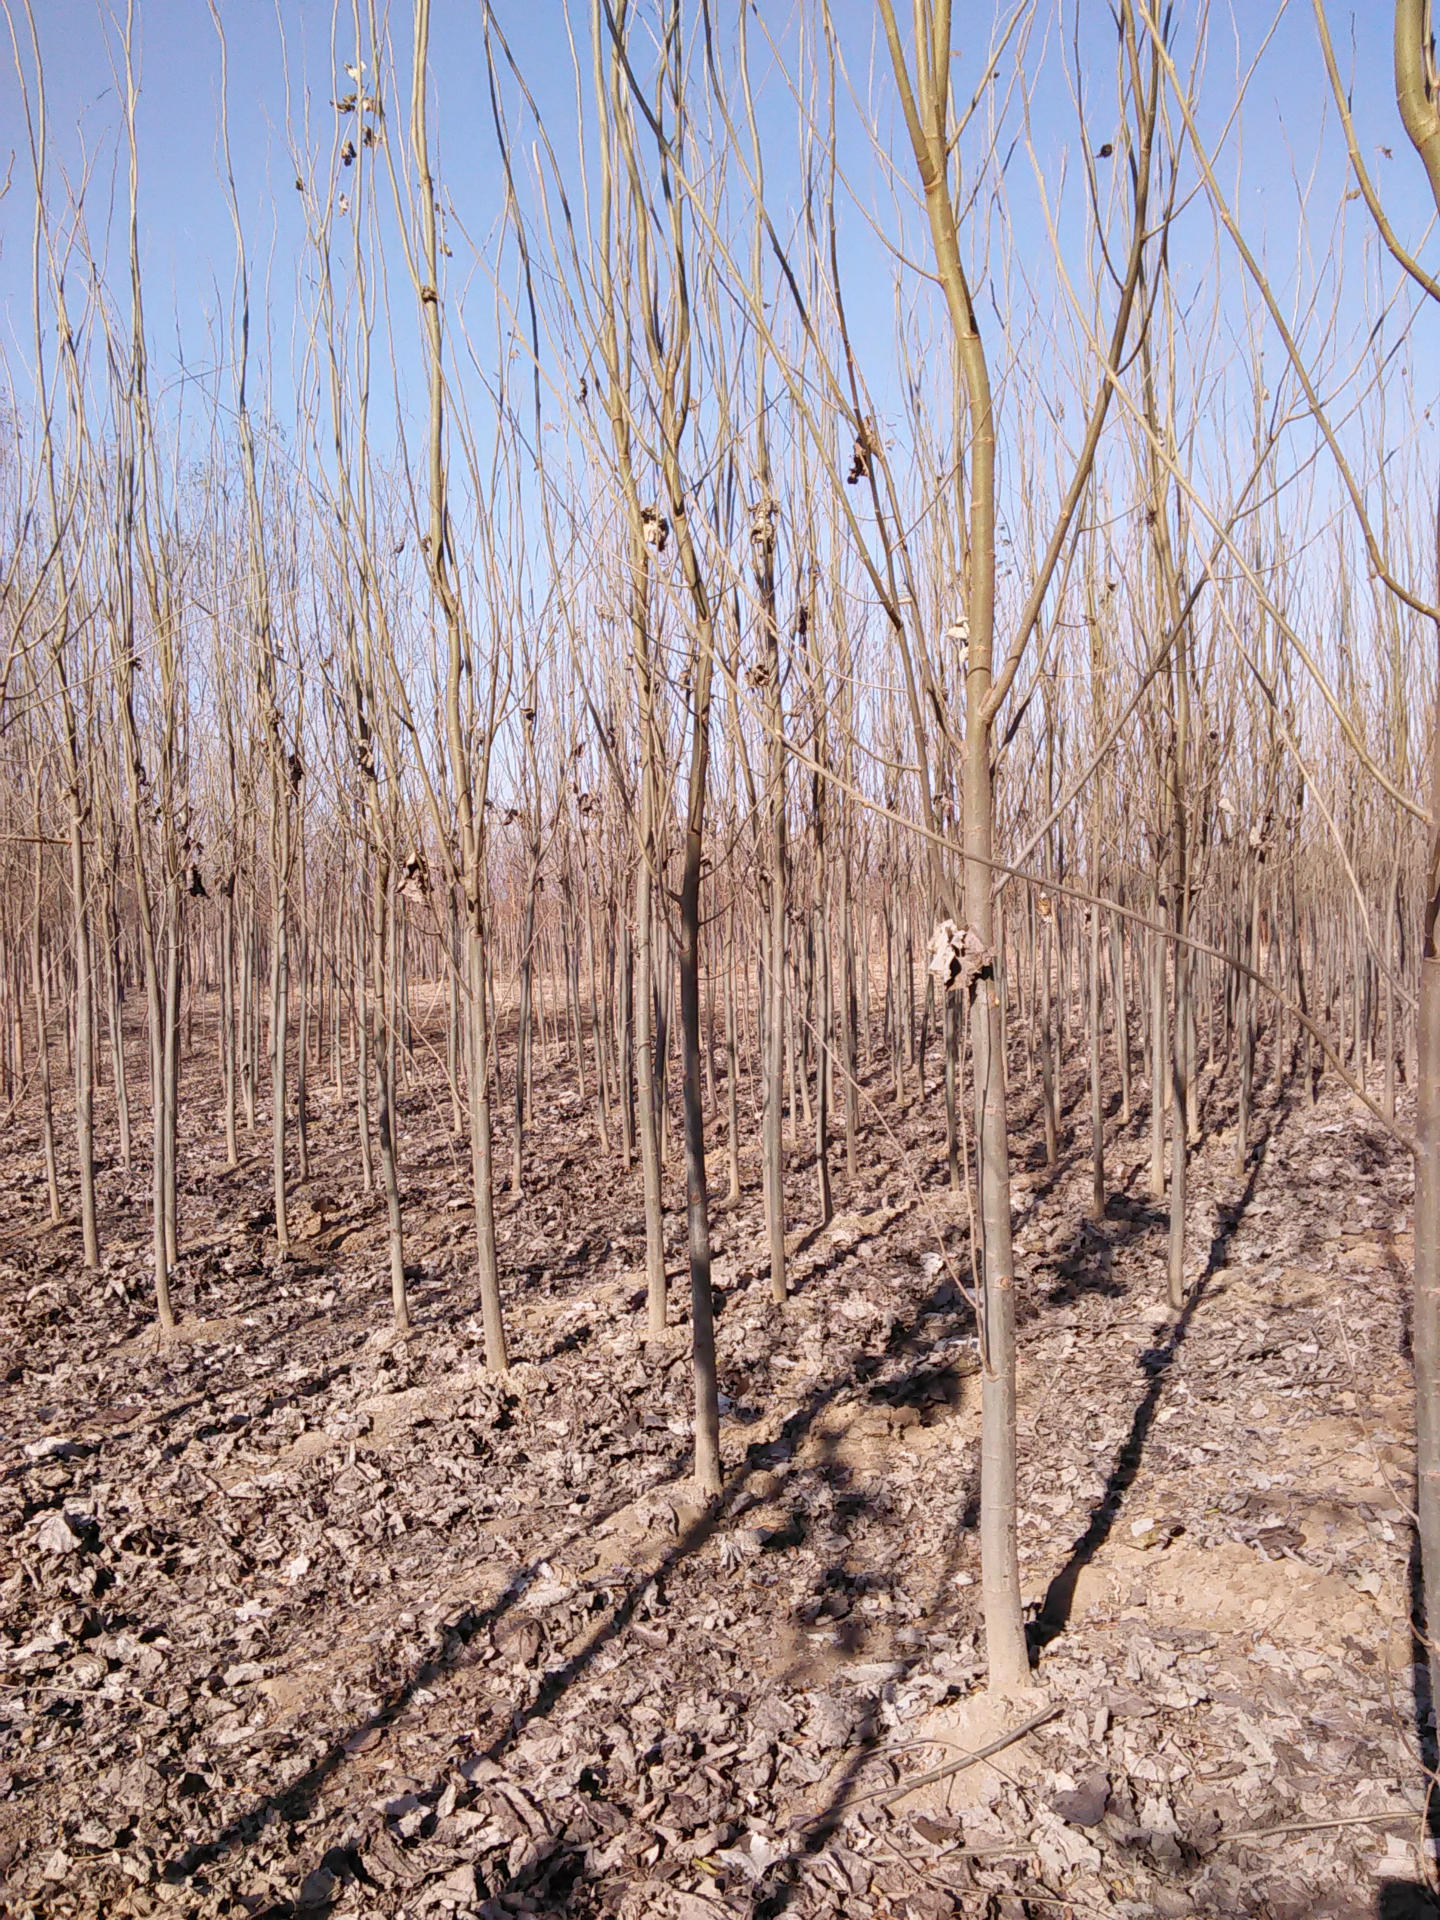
(285, 68)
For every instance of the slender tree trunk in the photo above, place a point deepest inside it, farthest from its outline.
(246, 1025)
(849, 1022)
(279, 1021)
(227, 1021)
(823, 1195)
(84, 1035)
(1097, 1092)
(629, 1067)
(648, 1115)
(453, 997)
(773, 1131)
(525, 1016)
(1048, 1094)
(1158, 1081)
(302, 1056)
(382, 984)
(115, 999)
(173, 951)
(702, 1324)
(732, 1068)
(42, 1038)
(497, 1357)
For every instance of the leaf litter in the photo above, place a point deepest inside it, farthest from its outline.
(297, 1617)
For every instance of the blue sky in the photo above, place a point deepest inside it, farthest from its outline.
(282, 69)
(186, 229)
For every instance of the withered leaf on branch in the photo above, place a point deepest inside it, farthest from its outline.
(958, 956)
(655, 528)
(866, 446)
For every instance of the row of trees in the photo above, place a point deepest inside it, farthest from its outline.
(777, 709)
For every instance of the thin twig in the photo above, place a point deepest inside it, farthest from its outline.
(1317, 1826)
(889, 1795)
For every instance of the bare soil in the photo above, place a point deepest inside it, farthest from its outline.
(297, 1618)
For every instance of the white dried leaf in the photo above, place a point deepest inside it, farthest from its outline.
(1062, 1849)
(56, 1535)
(753, 1855)
(958, 955)
(546, 1593)
(829, 1723)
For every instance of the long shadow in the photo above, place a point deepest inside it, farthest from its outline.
(444, 1311)
(1422, 1700)
(821, 1269)
(812, 1838)
(145, 1422)
(1060, 1282)
(1059, 1600)
(1405, 1900)
(1021, 1215)
(731, 1503)
(297, 1800)
(299, 1796)
(1075, 1153)
(1054, 1615)
(140, 1420)
(277, 1402)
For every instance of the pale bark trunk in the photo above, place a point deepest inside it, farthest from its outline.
(227, 1024)
(279, 1020)
(497, 1357)
(382, 986)
(42, 1038)
(647, 1114)
(1097, 1092)
(84, 1040)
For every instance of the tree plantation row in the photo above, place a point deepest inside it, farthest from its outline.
(796, 589)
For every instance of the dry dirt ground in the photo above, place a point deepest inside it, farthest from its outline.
(295, 1619)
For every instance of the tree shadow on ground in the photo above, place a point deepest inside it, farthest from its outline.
(297, 1801)
(1422, 1699)
(822, 1269)
(1055, 1613)
(562, 1869)
(848, 1789)
(845, 1792)
(1405, 1900)
(1056, 1609)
